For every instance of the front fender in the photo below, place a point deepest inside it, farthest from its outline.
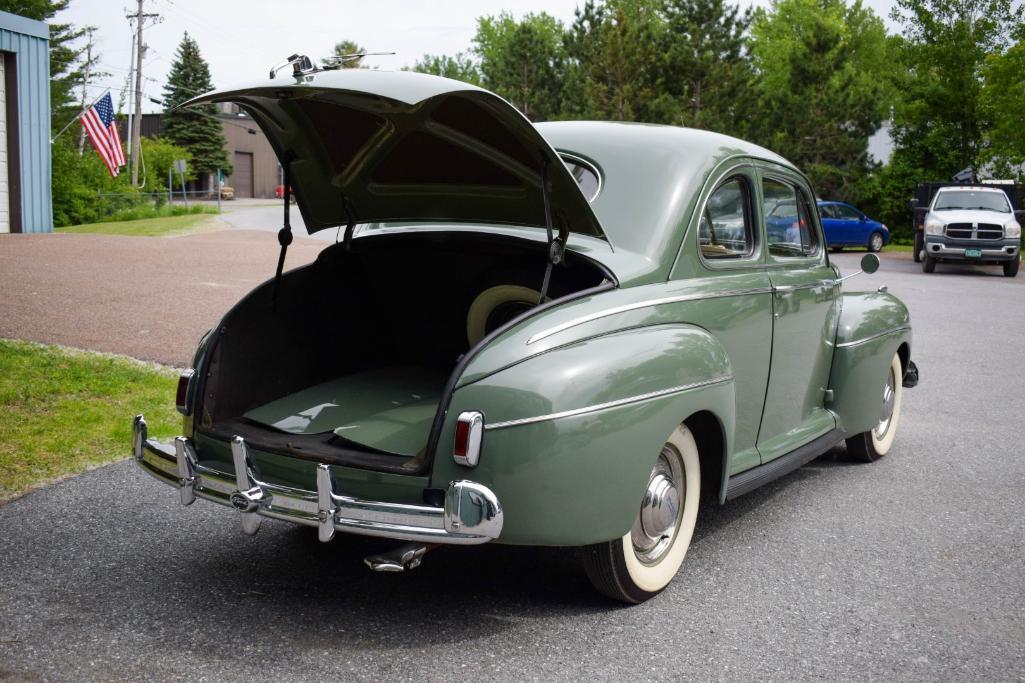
(571, 434)
(873, 326)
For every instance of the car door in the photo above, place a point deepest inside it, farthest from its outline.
(831, 225)
(805, 307)
(852, 224)
(736, 300)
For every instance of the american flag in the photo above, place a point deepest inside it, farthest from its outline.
(98, 122)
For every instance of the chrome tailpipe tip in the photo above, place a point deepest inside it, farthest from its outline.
(408, 556)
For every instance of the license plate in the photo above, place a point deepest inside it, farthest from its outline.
(976, 253)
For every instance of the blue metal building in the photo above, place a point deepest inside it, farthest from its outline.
(25, 200)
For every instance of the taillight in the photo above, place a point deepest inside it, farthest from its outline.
(181, 399)
(469, 434)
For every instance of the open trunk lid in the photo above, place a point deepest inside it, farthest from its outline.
(373, 146)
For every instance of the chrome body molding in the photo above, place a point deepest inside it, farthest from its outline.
(471, 514)
(865, 340)
(625, 308)
(610, 404)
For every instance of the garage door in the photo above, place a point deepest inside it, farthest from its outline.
(242, 179)
(5, 189)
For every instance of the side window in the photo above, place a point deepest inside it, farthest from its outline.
(847, 213)
(725, 230)
(789, 227)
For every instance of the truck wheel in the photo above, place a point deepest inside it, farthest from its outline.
(875, 242)
(871, 445)
(928, 263)
(1011, 267)
(639, 565)
(919, 247)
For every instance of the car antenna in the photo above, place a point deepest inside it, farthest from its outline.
(339, 61)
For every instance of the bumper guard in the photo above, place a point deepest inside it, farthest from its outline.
(471, 515)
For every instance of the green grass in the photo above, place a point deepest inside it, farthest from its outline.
(164, 226)
(65, 411)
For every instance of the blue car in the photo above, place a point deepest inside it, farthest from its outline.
(846, 226)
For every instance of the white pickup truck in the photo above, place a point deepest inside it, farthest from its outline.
(973, 224)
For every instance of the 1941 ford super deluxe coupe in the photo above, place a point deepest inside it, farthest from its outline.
(561, 335)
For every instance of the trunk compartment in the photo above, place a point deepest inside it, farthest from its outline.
(352, 363)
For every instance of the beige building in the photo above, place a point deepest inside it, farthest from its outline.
(256, 170)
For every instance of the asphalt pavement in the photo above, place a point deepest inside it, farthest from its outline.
(910, 568)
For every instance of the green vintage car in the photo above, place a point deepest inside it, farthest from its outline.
(565, 335)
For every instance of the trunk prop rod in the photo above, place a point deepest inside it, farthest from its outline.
(285, 233)
(556, 245)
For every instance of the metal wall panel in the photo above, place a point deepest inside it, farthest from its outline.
(24, 38)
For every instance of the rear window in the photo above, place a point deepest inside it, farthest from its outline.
(585, 174)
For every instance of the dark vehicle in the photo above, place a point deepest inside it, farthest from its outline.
(846, 226)
(968, 222)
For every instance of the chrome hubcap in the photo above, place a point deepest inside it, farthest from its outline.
(877, 242)
(661, 509)
(886, 413)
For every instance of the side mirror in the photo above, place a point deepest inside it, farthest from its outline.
(869, 263)
(912, 204)
(1019, 215)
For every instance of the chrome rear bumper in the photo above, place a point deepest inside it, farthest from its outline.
(471, 515)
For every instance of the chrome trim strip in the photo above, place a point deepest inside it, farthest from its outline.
(471, 514)
(872, 337)
(609, 404)
(642, 304)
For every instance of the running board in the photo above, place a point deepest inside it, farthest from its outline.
(749, 480)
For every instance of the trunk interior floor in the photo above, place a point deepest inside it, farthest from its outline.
(388, 409)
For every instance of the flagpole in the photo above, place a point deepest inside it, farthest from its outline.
(79, 115)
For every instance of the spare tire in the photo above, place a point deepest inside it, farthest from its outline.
(496, 306)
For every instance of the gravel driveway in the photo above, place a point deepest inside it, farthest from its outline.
(147, 297)
(909, 568)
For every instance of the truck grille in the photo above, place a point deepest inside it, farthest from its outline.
(966, 231)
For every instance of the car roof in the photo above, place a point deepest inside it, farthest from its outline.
(651, 174)
(971, 188)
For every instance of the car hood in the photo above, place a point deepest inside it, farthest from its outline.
(369, 146)
(972, 216)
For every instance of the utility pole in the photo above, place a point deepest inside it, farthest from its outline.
(85, 84)
(140, 17)
(128, 91)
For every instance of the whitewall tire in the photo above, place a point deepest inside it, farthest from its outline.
(641, 564)
(871, 445)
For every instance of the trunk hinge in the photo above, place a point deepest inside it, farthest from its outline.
(556, 245)
(285, 233)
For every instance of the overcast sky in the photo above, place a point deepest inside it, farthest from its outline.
(242, 39)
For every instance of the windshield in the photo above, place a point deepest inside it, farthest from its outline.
(975, 200)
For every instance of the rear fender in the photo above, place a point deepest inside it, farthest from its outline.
(873, 327)
(571, 434)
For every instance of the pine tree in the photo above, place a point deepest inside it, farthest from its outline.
(197, 129)
(708, 69)
(65, 55)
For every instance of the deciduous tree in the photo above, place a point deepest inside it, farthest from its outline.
(522, 60)
(825, 86)
(461, 67)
